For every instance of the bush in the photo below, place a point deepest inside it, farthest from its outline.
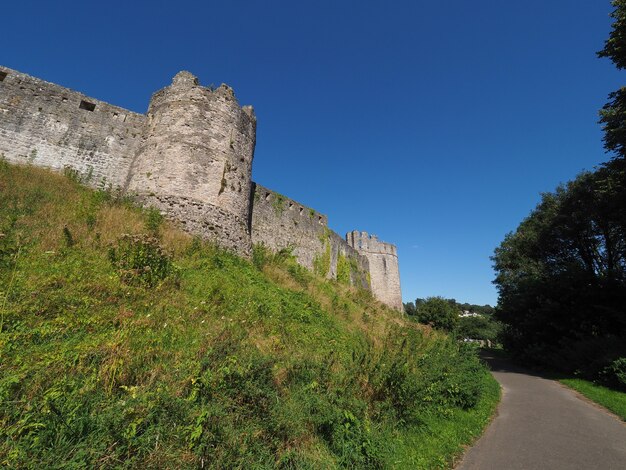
(140, 260)
(444, 376)
(615, 374)
(154, 220)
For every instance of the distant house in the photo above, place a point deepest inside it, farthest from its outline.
(467, 313)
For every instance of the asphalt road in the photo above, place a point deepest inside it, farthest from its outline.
(543, 425)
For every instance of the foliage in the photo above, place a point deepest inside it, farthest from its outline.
(140, 259)
(480, 327)
(485, 310)
(561, 276)
(321, 262)
(612, 114)
(615, 46)
(154, 220)
(437, 312)
(279, 203)
(409, 308)
(615, 373)
(344, 269)
(239, 364)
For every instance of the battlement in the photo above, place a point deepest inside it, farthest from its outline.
(196, 158)
(191, 157)
(363, 241)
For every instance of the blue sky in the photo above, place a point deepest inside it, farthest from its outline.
(433, 124)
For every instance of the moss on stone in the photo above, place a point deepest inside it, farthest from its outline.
(321, 263)
(344, 270)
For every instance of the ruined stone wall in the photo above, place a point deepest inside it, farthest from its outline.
(279, 222)
(51, 126)
(383, 266)
(195, 160)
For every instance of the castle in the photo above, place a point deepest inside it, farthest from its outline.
(190, 156)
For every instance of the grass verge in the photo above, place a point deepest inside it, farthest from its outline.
(443, 439)
(612, 400)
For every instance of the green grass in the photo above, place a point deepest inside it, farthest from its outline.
(442, 440)
(612, 400)
(157, 350)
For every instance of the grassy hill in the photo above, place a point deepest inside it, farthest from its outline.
(125, 342)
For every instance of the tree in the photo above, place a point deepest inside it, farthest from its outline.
(437, 312)
(615, 45)
(409, 308)
(479, 327)
(561, 276)
(613, 114)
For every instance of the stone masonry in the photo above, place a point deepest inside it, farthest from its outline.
(383, 266)
(191, 157)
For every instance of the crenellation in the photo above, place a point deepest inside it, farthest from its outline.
(279, 222)
(191, 157)
(383, 266)
(198, 144)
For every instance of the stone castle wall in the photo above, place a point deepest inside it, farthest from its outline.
(383, 266)
(44, 124)
(191, 157)
(279, 222)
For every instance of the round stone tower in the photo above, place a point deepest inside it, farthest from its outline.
(383, 266)
(194, 162)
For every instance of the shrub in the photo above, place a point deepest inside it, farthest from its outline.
(68, 237)
(154, 220)
(260, 255)
(445, 376)
(615, 373)
(140, 259)
(72, 174)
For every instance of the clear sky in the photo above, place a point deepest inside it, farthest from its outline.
(433, 124)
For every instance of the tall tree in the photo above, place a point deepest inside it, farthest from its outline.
(561, 276)
(613, 114)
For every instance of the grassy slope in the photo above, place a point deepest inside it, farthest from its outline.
(225, 364)
(612, 400)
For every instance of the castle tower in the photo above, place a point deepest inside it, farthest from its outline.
(194, 162)
(383, 266)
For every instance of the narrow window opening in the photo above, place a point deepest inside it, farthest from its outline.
(3, 75)
(267, 196)
(87, 105)
(291, 205)
(301, 210)
(319, 219)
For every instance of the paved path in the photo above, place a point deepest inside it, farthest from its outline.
(543, 425)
